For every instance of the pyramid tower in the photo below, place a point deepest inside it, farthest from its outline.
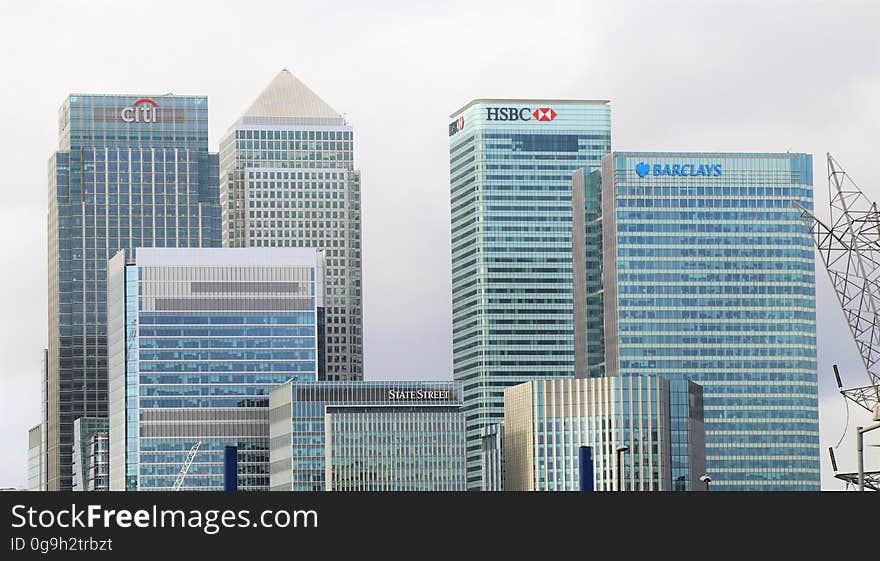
(287, 96)
(288, 179)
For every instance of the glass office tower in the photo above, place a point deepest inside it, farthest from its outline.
(547, 421)
(708, 275)
(367, 436)
(198, 337)
(130, 171)
(510, 164)
(288, 180)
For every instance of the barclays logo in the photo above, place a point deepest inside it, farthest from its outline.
(678, 170)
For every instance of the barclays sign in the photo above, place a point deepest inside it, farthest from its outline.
(678, 170)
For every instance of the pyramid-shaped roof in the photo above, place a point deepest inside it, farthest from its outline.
(286, 96)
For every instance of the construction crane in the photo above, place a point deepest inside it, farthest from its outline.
(849, 246)
(185, 468)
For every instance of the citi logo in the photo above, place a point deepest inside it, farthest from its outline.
(520, 114)
(544, 114)
(141, 111)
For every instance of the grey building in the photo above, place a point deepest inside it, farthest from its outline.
(287, 179)
(91, 454)
(130, 171)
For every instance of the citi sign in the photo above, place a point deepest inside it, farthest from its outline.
(141, 111)
(678, 170)
(520, 114)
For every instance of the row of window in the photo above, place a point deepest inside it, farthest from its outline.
(293, 134)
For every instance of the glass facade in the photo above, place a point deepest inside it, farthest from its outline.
(44, 415)
(547, 421)
(708, 275)
(35, 437)
(395, 448)
(288, 180)
(510, 171)
(492, 457)
(131, 171)
(688, 433)
(198, 339)
(91, 454)
(367, 436)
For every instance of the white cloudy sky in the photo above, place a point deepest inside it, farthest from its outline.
(766, 75)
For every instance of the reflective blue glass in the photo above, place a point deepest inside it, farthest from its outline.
(711, 278)
(115, 183)
(511, 245)
(187, 382)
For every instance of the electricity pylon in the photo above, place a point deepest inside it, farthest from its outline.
(849, 246)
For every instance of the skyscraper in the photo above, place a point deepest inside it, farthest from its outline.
(287, 179)
(510, 163)
(198, 338)
(708, 274)
(130, 171)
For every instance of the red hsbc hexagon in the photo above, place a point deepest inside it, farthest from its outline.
(544, 114)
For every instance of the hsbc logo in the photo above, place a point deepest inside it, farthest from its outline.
(520, 114)
(544, 114)
(456, 125)
(141, 111)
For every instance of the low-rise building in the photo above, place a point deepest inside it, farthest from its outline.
(625, 420)
(367, 436)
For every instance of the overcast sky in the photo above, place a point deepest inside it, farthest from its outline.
(701, 75)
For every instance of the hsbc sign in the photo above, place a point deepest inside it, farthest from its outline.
(544, 114)
(520, 114)
(456, 125)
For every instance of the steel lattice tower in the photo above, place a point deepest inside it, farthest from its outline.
(849, 246)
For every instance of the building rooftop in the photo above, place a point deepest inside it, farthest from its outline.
(287, 96)
(226, 256)
(533, 100)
